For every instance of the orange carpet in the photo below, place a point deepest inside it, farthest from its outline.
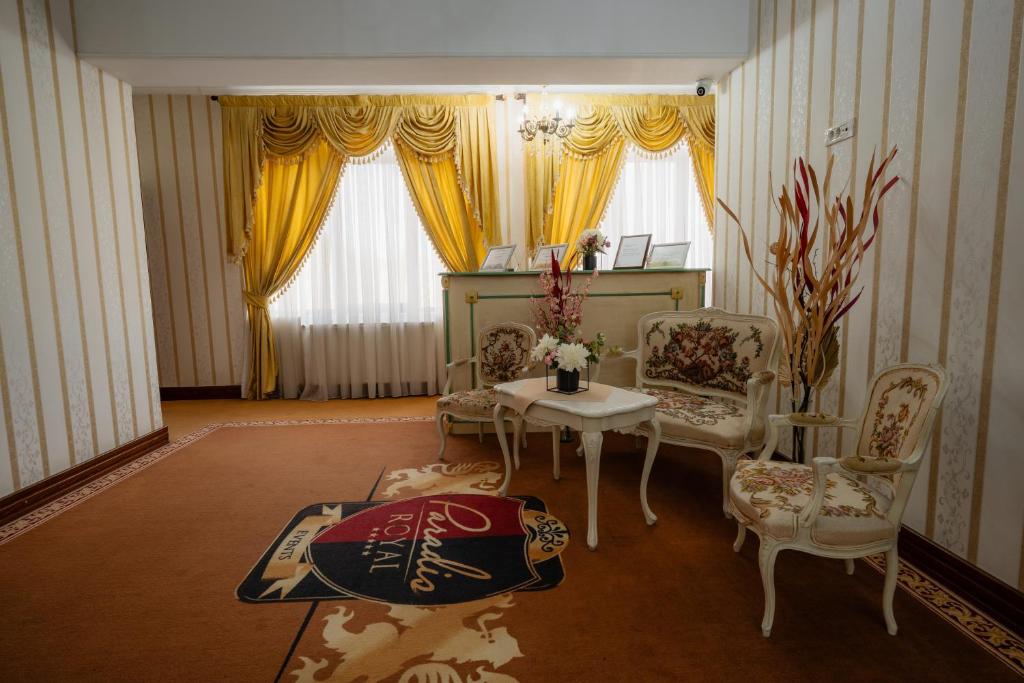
(135, 578)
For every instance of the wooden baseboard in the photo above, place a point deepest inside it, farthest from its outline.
(999, 600)
(34, 495)
(200, 393)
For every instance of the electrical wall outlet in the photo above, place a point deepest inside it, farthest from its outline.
(843, 131)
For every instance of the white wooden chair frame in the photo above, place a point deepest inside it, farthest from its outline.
(753, 404)
(473, 362)
(822, 467)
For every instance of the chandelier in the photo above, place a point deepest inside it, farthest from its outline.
(550, 125)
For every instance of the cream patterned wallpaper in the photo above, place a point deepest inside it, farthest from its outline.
(77, 359)
(197, 296)
(940, 80)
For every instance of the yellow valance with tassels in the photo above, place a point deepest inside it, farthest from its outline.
(434, 129)
(569, 182)
(284, 156)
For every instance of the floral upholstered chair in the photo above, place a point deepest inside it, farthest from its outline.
(503, 355)
(848, 507)
(710, 371)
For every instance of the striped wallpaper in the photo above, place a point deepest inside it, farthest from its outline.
(198, 309)
(941, 80)
(78, 369)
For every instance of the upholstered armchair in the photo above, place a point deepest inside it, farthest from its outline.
(848, 507)
(502, 355)
(710, 371)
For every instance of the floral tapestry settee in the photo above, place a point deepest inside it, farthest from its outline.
(710, 371)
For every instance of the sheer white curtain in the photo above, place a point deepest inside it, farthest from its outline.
(363, 317)
(659, 196)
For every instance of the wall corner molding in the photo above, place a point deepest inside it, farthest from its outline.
(200, 393)
(53, 487)
(999, 600)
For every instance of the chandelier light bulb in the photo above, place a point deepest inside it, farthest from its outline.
(551, 123)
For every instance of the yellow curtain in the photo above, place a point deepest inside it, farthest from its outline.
(435, 192)
(437, 128)
(290, 207)
(541, 173)
(582, 193)
(283, 157)
(568, 187)
(591, 161)
(700, 137)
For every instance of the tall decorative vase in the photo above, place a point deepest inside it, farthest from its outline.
(568, 381)
(590, 262)
(800, 433)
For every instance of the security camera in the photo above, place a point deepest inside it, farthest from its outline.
(704, 86)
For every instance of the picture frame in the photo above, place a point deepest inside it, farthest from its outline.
(542, 259)
(668, 255)
(632, 252)
(497, 259)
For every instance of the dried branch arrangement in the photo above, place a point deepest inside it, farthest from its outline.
(810, 301)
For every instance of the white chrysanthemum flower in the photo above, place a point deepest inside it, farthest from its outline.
(572, 357)
(545, 346)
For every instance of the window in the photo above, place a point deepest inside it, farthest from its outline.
(362, 317)
(658, 196)
(373, 262)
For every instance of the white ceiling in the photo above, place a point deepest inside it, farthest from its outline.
(230, 76)
(227, 46)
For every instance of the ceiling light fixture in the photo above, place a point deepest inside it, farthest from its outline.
(549, 124)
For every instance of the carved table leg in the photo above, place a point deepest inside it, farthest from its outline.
(653, 441)
(517, 426)
(499, 429)
(592, 450)
(441, 432)
(556, 452)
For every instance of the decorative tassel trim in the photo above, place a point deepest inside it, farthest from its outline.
(461, 179)
(611, 195)
(423, 220)
(391, 139)
(372, 156)
(708, 214)
(663, 154)
(266, 159)
(436, 159)
(316, 240)
(303, 155)
(249, 220)
(619, 135)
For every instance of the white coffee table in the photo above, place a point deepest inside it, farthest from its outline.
(621, 411)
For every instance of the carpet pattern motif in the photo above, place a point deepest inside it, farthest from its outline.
(436, 549)
(987, 632)
(501, 638)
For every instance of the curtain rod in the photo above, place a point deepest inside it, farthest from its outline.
(500, 98)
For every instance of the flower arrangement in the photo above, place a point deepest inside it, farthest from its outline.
(592, 241)
(810, 301)
(572, 357)
(559, 312)
(568, 355)
(558, 316)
